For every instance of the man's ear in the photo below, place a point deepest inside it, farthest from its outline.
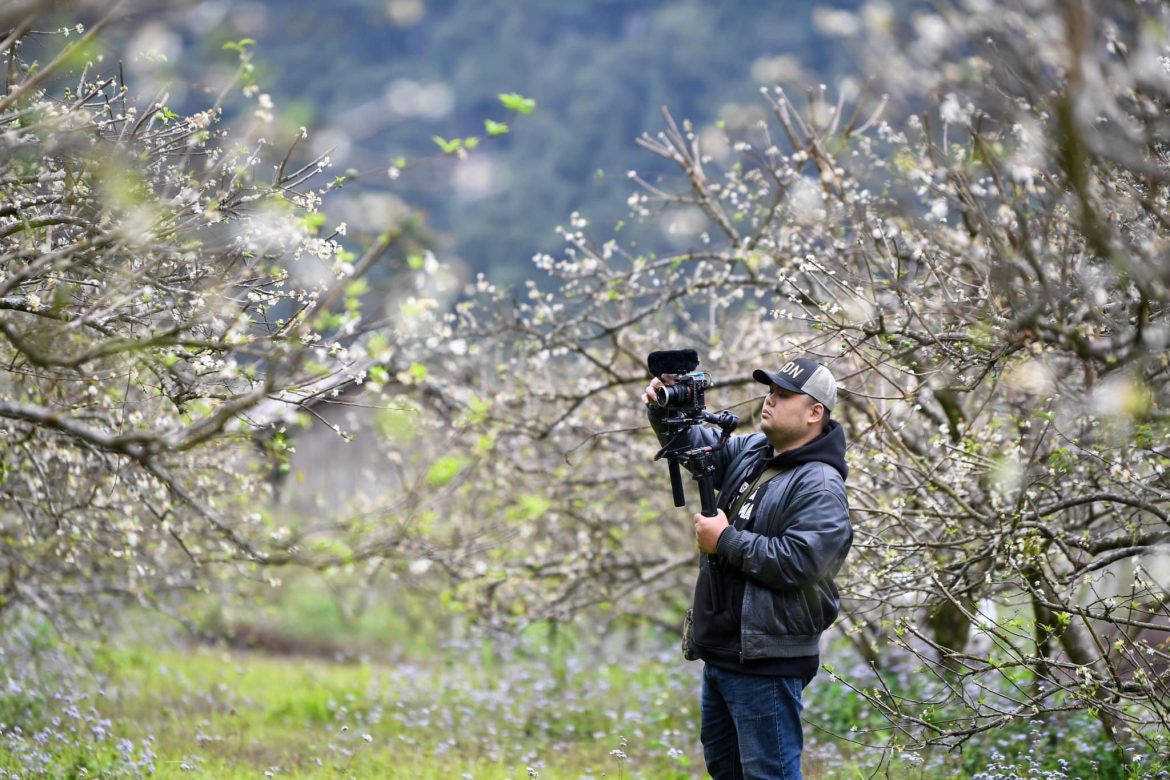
(816, 412)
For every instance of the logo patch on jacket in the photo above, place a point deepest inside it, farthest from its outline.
(745, 509)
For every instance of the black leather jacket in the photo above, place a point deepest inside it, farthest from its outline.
(789, 543)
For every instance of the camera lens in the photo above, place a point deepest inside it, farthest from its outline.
(674, 395)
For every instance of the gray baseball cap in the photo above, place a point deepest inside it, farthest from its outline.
(802, 375)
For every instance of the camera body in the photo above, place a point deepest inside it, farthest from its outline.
(687, 395)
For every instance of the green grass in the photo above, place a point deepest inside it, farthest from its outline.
(411, 702)
(229, 714)
(468, 710)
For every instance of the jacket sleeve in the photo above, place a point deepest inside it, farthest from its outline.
(813, 545)
(699, 436)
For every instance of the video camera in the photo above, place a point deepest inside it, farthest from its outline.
(685, 405)
(686, 394)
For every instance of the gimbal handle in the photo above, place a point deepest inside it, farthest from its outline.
(703, 476)
(707, 494)
(676, 486)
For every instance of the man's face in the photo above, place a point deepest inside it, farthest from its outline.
(788, 418)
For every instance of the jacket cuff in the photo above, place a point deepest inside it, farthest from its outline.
(730, 545)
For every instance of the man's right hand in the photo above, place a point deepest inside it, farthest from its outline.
(650, 394)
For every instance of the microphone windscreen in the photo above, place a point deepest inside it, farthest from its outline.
(672, 361)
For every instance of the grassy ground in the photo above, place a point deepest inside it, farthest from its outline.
(229, 714)
(469, 713)
(400, 700)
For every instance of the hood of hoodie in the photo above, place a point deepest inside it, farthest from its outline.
(828, 448)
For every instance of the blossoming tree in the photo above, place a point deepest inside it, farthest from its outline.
(166, 287)
(976, 243)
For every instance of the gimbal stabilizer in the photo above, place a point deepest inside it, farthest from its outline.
(697, 460)
(685, 407)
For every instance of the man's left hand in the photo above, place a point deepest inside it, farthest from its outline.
(708, 530)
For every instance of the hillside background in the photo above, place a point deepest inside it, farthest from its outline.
(375, 80)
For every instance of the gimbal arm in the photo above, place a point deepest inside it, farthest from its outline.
(699, 460)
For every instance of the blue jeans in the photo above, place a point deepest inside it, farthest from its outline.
(751, 726)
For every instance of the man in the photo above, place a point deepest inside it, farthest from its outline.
(765, 590)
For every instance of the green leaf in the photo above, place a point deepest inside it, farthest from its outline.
(357, 287)
(239, 45)
(485, 444)
(333, 548)
(377, 345)
(471, 142)
(327, 320)
(478, 410)
(313, 222)
(448, 147)
(529, 507)
(517, 103)
(445, 469)
(495, 128)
